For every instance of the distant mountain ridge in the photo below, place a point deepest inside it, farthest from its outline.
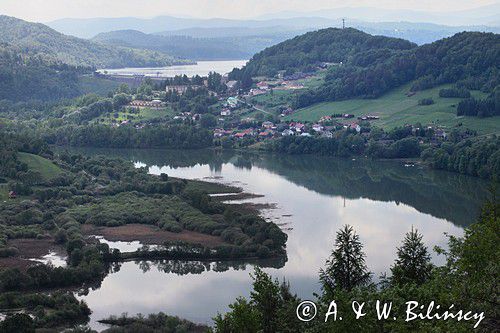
(35, 39)
(484, 15)
(487, 16)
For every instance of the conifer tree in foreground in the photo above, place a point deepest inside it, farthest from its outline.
(413, 264)
(346, 268)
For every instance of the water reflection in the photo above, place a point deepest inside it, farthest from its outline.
(52, 258)
(182, 267)
(314, 197)
(451, 196)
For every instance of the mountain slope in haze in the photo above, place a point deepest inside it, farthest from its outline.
(484, 15)
(188, 47)
(263, 33)
(52, 46)
(419, 33)
(88, 28)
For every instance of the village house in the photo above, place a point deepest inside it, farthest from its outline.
(287, 85)
(232, 102)
(327, 135)
(353, 126)
(219, 132)
(263, 85)
(266, 134)
(299, 127)
(267, 124)
(247, 120)
(440, 134)
(181, 89)
(256, 92)
(369, 117)
(12, 195)
(286, 112)
(317, 127)
(232, 85)
(225, 112)
(245, 133)
(152, 104)
(325, 119)
(287, 132)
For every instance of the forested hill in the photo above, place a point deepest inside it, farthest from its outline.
(35, 39)
(470, 59)
(373, 65)
(24, 78)
(327, 45)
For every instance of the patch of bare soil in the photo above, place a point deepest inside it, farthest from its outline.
(15, 262)
(236, 196)
(29, 249)
(150, 235)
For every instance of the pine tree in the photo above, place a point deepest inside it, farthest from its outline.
(346, 268)
(413, 262)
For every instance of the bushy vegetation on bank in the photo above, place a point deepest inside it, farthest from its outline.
(479, 157)
(475, 156)
(59, 309)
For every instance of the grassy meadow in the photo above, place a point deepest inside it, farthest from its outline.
(396, 109)
(46, 168)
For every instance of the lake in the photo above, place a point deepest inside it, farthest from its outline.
(201, 68)
(314, 197)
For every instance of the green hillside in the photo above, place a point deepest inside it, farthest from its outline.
(35, 39)
(325, 45)
(369, 66)
(46, 168)
(396, 108)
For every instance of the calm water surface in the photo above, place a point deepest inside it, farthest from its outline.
(202, 68)
(314, 197)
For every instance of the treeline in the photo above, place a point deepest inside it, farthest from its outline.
(462, 284)
(161, 136)
(470, 59)
(348, 144)
(454, 93)
(462, 152)
(481, 107)
(476, 157)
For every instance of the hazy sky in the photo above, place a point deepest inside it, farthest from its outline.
(47, 10)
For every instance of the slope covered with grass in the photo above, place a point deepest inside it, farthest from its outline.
(396, 109)
(46, 168)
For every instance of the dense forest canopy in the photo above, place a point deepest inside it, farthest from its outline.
(326, 45)
(54, 47)
(30, 78)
